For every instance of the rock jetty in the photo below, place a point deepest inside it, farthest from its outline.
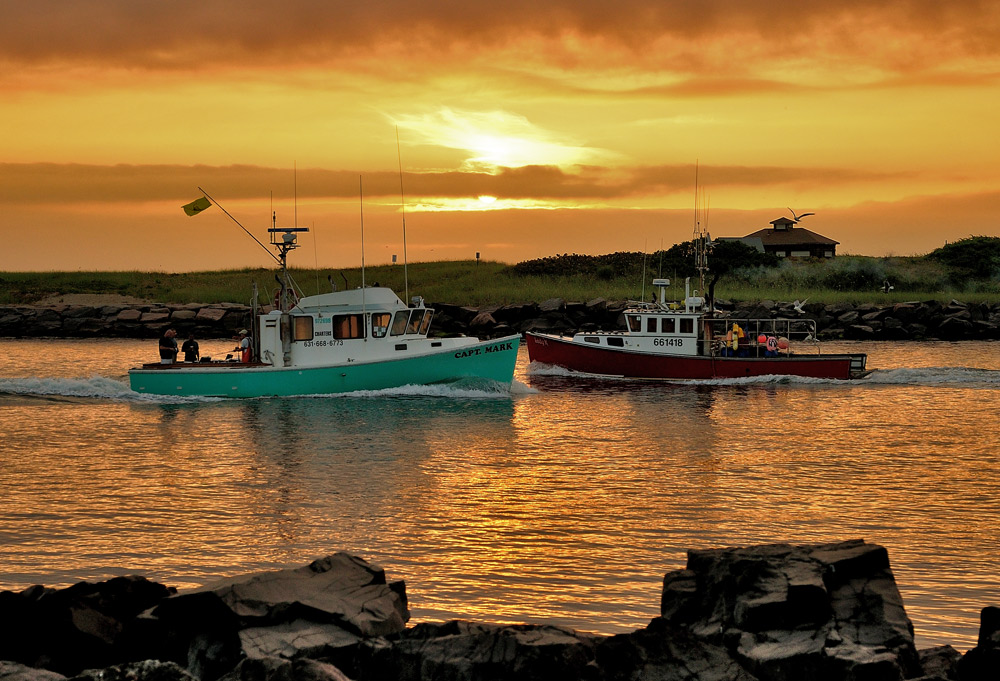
(826, 612)
(901, 321)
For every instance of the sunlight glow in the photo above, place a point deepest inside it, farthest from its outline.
(495, 139)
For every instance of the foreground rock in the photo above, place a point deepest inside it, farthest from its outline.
(766, 613)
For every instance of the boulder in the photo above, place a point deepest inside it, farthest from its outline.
(85, 625)
(467, 651)
(147, 670)
(13, 671)
(278, 669)
(788, 613)
(552, 305)
(667, 653)
(983, 662)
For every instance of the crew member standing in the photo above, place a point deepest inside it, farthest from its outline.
(168, 347)
(190, 349)
(244, 347)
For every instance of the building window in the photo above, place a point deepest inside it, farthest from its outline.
(780, 254)
(827, 254)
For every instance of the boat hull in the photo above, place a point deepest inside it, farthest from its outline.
(491, 361)
(563, 352)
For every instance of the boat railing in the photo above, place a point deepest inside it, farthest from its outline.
(781, 333)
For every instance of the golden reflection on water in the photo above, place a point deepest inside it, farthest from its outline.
(563, 505)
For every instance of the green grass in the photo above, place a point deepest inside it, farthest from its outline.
(853, 279)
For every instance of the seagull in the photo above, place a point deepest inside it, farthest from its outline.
(799, 217)
(797, 306)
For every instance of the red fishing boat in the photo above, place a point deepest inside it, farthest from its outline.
(685, 341)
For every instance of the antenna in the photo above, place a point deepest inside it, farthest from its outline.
(402, 208)
(361, 197)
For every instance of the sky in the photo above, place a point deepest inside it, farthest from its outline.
(515, 130)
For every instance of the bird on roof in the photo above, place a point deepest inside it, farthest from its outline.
(796, 218)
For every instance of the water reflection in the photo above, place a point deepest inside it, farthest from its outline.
(565, 503)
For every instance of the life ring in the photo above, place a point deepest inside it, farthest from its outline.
(292, 296)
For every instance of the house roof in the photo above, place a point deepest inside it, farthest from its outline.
(789, 237)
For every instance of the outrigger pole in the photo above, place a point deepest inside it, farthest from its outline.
(266, 250)
(402, 209)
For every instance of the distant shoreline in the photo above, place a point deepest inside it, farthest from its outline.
(117, 316)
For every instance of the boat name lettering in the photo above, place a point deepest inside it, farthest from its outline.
(471, 352)
(668, 342)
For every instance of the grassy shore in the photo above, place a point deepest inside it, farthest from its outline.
(853, 279)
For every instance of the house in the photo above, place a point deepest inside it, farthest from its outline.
(786, 240)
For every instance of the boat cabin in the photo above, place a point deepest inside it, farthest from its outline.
(338, 322)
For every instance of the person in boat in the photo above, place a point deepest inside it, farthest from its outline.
(244, 346)
(168, 347)
(190, 349)
(742, 343)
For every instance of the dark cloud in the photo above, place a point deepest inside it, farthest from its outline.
(39, 183)
(187, 33)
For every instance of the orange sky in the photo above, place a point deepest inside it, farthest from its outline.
(525, 129)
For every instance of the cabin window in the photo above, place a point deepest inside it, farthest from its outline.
(414, 325)
(591, 339)
(349, 326)
(426, 323)
(380, 324)
(669, 325)
(399, 323)
(303, 328)
(651, 325)
(616, 342)
(634, 322)
(687, 325)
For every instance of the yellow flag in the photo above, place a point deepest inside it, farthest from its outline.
(197, 206)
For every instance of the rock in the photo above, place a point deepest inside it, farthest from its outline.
(467, 651)
(940, 663)
(129, 315)
(83, 626)
(147, 670)
(982, 662)
(321, 606)
(12, 671)
(210, 314)
(664, 652)
(483, 320)
(822, 611)
(277, 669)
(552, 305)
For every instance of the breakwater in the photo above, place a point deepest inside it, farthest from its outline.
(915, 320)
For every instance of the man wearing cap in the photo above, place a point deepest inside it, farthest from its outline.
(244, 347)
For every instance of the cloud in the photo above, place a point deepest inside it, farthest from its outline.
(898, 35)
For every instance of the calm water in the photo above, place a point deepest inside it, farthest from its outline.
(564, 502)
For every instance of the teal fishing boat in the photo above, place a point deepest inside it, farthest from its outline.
(341, 341)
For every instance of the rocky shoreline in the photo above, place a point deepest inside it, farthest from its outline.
(901, 321)
(825, 612)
